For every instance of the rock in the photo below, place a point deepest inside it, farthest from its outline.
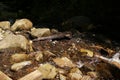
(47, 53)
(86, 52)
(22, 24)
(85, 77)
(64, 62)
(62, 77)
(5, 24)
(37, 76)
(61, 71)
(40, 32)
(18, 66)
(11, 41)
(48, 71)
(18, 57)
(1, 33)
(93, 75)
(75, 74)
(4, 76)
(39, 56)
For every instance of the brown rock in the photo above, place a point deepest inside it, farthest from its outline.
(19, 57)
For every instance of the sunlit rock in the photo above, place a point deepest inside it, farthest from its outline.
(18, 57)
(22, 24)
(64, 62)
(39, 56)
(37, 76)
(13, 41)
(62, 77)
(5, 24)
(39, 32)
(4, 76)
(48, 71)
(85, 77)
(20, 65)
(93, 75)
(86, 52)
(75, 74)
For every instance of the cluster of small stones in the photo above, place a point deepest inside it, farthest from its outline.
(9, 38)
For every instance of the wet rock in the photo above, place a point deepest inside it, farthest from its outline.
(5, 24)
(4, 76)
(64, 62)
(20, 65)
(11, 41)
(18, 57)
(48, 71)
(22, 24)
(40, 32)
(75, 74)
(37, 76)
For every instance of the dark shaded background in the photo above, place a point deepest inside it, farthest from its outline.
(102, 13)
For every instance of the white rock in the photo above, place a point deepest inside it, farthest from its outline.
(17, 66)
(5, 24)
(22, 24)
